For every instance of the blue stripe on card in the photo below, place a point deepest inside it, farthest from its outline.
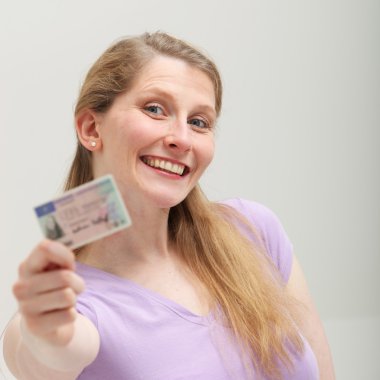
(44, 209)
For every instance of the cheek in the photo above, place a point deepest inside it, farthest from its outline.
(140, 132)
(208, 150)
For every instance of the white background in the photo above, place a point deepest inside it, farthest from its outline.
(299, 131)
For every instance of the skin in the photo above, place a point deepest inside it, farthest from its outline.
(169, 113)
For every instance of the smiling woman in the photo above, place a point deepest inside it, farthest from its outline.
(167, 115)
(194, 289)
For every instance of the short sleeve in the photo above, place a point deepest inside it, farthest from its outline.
(85, 309)
(84, 302)
(274, 237)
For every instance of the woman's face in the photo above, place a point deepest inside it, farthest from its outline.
(158, 138)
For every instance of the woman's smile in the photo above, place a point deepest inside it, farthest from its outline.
(167, 166)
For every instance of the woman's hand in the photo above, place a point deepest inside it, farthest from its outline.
(46, 292)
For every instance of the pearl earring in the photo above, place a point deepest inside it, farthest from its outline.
(93, 143)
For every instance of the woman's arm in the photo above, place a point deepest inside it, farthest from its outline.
(48, 338)
(309, 321)
(30, 358)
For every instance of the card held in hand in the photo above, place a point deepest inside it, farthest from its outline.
(84, 214)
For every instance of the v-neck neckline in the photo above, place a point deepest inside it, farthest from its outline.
(174, 306)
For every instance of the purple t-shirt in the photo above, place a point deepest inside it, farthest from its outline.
(145, 336)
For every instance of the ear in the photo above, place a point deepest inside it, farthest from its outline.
(87, 127)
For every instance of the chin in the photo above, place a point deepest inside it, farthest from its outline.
(169, 202)
(166, 199)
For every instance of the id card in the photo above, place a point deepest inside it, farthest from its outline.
(84, 214)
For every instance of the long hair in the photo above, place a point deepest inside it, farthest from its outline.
(238, 275)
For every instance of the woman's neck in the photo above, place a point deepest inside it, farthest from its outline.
(144, 242)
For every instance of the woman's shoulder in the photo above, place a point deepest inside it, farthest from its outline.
(261, 216)
(252, 210)
(270, 229)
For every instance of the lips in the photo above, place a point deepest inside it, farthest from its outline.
(165, 165)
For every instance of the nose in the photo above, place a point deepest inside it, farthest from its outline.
(178, 137)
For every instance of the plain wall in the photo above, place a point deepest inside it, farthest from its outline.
(299, 131)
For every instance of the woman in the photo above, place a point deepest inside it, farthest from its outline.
(193, 290)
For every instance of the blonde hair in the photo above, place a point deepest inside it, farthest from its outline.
(238, 275)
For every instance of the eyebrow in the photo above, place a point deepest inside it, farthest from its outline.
(154, 90)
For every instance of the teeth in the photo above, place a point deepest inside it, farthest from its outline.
(165, 165)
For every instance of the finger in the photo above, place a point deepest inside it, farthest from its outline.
(49, 322)
(48, 302)
(47, 282)
(47, 255)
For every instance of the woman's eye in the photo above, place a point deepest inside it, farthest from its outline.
(199, 123)
(154, 109)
